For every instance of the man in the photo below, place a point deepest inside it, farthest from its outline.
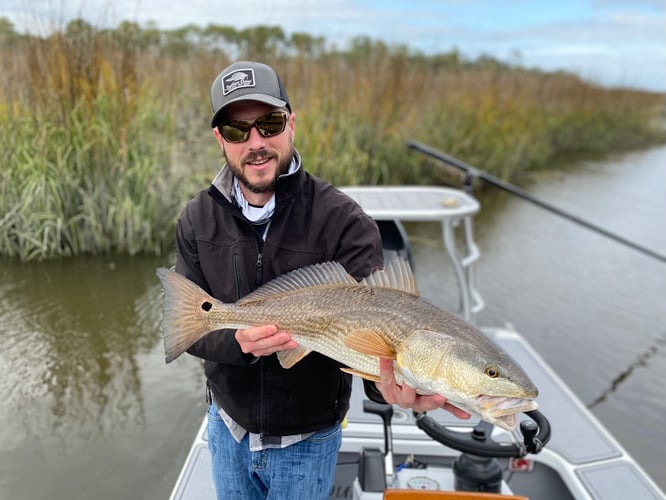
(273, 433)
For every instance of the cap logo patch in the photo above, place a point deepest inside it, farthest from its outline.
(237, 80)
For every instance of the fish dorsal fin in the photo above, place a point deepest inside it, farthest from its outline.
(397, 274)
(369, 342)
(326, 273)
(290, 357)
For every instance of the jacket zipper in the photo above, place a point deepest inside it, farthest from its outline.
(237, 277)
(260, 268)
(258, 280)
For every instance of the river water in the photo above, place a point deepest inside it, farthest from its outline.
(89, 409)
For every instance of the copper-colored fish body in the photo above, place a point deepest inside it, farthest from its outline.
(356, 323)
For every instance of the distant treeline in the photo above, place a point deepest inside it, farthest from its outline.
(104, 133)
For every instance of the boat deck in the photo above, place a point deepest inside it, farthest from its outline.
(581, 461)
(598, 468)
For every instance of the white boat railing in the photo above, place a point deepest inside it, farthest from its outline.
(452, 208)
(582, 460)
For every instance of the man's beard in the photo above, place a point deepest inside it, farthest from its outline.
(267, 186)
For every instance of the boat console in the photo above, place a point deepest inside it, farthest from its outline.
(475, 469)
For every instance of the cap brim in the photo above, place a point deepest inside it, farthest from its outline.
(266, 99)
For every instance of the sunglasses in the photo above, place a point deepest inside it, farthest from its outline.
(268, 125)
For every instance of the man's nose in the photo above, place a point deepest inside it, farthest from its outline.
(255, 138)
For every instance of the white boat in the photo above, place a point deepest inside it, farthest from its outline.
(581, 460)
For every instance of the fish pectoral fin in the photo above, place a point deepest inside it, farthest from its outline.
(369, 342)
(292, 356)
(366, 376)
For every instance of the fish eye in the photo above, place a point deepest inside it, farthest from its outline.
(206, 306)
(492, 372)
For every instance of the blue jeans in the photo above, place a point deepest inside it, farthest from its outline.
(303, 470)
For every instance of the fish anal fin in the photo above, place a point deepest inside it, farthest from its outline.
(366, 376)
(290, 357)
(369, 342)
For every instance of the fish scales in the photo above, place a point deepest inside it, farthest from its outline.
(314, 311)
(327, 311)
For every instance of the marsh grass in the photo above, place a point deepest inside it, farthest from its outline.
(86, 171)
(103, 141)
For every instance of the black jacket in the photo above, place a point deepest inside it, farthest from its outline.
(222, 252)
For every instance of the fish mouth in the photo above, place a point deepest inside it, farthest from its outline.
(502, 411)
(504, 405)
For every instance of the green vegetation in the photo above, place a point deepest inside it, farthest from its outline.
(104, 133)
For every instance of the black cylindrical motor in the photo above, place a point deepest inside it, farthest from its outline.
(474, 473)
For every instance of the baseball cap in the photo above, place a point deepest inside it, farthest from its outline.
(247, 81)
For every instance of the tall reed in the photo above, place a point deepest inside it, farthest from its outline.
(88, 149)
(103, 138)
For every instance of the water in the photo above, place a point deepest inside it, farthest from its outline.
(594, 309)
(90, 410)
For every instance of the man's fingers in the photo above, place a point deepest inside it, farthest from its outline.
(264, 340)
(462, 414)
(406, 397)
(387, 379)
(256, 333)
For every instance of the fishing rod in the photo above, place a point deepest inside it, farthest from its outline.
(495, 181)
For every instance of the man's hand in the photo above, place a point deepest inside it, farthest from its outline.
(406, 396)
(264, 340)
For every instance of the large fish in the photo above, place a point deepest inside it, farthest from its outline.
(326, 310)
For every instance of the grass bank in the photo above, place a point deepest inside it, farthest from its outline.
(104, 136)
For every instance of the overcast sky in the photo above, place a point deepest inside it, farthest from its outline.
(611, 42)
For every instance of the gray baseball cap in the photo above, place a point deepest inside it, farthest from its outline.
(247, 81)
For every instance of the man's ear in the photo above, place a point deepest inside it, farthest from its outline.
(292, 126)
(219, 138)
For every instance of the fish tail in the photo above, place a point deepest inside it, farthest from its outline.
(181, 325)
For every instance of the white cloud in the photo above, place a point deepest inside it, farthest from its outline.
(595, 37)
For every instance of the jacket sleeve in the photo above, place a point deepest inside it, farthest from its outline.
(372, 392)
(360, 246)
(219, 345)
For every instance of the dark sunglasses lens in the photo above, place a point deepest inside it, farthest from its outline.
(267, 125)
(236, 131)
(271, 124)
